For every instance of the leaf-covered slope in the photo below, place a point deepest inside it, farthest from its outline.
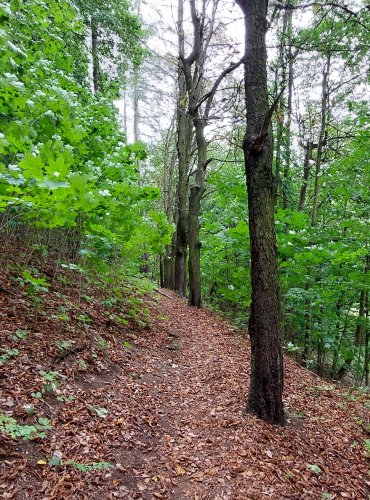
(138, 411)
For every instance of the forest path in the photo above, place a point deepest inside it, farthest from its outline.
(205, 446)
(163, 407)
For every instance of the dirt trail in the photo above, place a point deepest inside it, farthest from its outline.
(207, 447)
(175, 426)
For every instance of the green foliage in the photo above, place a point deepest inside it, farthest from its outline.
(100, 412)
(367, 446)
(84, 319)
(63, 347)
(64, 163)
(6, 354)
(102, 344)
(15, 430)
(119, 34)
(35, 285)
(66, 399)
(225, 248)
(52, 380)
(20, 335)
(314, 468)
(323, 267)
(95, 466)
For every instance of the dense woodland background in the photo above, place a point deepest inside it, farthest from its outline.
(128, 131)
(73, 187)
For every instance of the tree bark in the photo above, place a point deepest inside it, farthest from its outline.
(266, 384)
(196, 194)
(184, 140)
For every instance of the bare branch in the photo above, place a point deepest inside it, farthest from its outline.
(210, 95)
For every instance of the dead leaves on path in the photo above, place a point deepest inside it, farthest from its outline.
(170, 421)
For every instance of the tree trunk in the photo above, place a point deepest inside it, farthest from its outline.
(196, 194)
(306, 174)
(95, 58)
(125, 114)
(266, 385)
(288, 125)
(367, 340)
(307, 329)
(360, 332)
(324, 108)
(184, 133)
(184, 140)
(283, 133)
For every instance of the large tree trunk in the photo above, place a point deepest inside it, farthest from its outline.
(266, 384)
(184, 140)
(196, 194)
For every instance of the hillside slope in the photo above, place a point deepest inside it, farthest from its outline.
(121, 402)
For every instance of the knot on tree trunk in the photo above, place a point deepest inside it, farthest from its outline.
(254, 144)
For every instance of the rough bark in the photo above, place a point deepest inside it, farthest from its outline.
(196, 194)
(266, 384)
(169, 162)
(194, 78)
(191, 83)
(184, 140)
(367, 341)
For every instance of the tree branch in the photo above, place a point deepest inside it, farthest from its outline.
(259, 140)
(289, 6)
(211, 94)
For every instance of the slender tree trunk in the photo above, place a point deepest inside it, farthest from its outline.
(266, 385)
(324, 111)
(306, 174)
(288, 125)
(184, 134)
(367, 341)
(169, 161)
(125, 113)
(95, 58)
(279, 81)
(360, 332)
(307, 329)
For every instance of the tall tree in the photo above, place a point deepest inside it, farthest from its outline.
(199, 104)
(115, 41)
(266, 383)
(184, 143)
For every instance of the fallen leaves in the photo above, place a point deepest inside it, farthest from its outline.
(171, 421)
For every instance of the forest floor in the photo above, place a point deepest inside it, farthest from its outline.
(159, 408)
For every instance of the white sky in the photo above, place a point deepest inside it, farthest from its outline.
(161, 17)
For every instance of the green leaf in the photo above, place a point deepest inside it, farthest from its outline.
(314, 468)
(101, 412)
(55, 461)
